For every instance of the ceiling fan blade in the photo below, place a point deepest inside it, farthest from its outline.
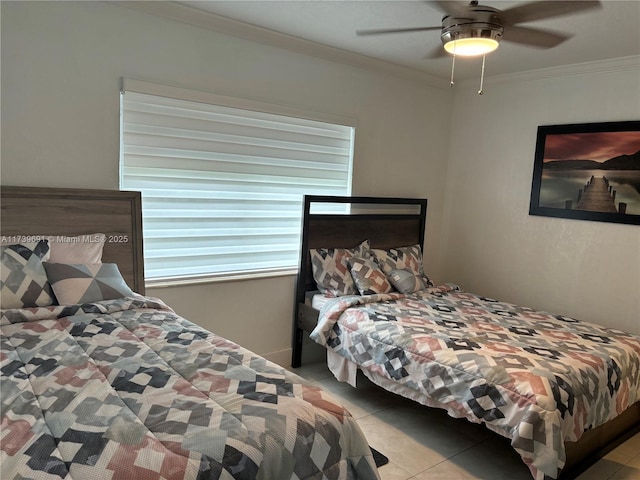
(451, 7)
(532, 11)
(382, 31)
(534, 37)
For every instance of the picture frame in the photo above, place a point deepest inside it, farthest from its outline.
(588, 171)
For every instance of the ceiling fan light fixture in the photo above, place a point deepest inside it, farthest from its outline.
(478, 34)
(471, 47)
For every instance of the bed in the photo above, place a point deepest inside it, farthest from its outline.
(563, 391)
(99, 381)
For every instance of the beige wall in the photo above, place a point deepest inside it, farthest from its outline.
(589, 270)
(61, 66)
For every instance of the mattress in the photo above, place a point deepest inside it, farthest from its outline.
(319, 300)
(126, 388)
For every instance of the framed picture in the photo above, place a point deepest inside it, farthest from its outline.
(588, 171)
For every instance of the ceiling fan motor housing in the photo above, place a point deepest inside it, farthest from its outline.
(482, 22)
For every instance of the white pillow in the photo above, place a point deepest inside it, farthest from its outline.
(78, 249)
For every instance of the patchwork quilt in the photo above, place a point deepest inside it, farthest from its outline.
(535, 378)
(126, 388)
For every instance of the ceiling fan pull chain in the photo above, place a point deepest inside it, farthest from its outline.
(480, 92)
(453, 67)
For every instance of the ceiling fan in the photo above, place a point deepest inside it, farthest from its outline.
(473, 29)
(473, 21)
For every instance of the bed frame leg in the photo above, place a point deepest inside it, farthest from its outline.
(296, 357)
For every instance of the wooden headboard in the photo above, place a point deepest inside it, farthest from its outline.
(70, 211)
(386, 222)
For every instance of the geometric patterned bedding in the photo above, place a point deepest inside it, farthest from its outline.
(126, 389)
(535, 378)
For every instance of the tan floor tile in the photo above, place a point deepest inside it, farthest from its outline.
(634, 462)
(493, 459)
(631, 447)
(626, 473)
(364, 400)
(601, 470)
(446, 471)
(313, 371)
(400, 448)
(391, 471)
(625, 452)
(634, 442)
(417, 437)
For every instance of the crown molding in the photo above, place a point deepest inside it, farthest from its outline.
(610, 65)
(210, 21)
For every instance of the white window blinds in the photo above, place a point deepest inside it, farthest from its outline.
(222, 186)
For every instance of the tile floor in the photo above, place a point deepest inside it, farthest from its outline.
(426, 444)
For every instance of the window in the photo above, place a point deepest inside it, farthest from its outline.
(222, 185)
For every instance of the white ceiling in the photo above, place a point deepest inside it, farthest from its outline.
(612, 31)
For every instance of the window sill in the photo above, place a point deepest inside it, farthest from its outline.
(221, 278)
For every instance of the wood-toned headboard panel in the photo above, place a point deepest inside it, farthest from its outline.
(69, 211)
(383, 230)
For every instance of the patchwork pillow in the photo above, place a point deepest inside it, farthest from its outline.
(76, 250)
(402, 258)
(331, 268)
(368, 277)
(406, 281)
(24, 281)
(85, 283)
